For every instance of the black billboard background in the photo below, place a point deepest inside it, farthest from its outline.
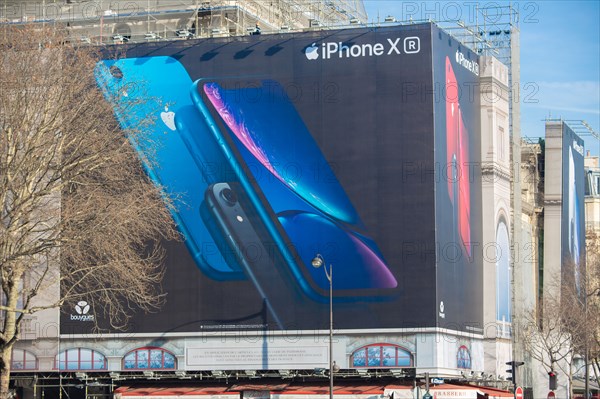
(573, 211)
(373, 118)
(459, 274)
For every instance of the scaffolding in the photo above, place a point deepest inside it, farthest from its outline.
(100, 21)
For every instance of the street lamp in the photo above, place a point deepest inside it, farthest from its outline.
(317, 262)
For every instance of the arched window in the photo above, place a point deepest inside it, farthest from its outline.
(149, 358)
(80, 359)
(503, 273)
(463, 358)
(381, 355)
(23, 360)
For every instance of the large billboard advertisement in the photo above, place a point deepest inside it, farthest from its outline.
(277, 149)
(573, 217)
(458, 190)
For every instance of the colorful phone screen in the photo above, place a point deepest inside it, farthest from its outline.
(262, 130)
(458, 162)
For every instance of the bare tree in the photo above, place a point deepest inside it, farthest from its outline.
(546, 337)
(592, 304)
(566, 323)
(77, 211)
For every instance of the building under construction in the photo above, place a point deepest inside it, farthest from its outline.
(113, 21)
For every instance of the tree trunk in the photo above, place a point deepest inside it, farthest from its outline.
(5, 363)
(10, 331)
(570, 386)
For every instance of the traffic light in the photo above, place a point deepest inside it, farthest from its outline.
(552, 380)
(513, 371)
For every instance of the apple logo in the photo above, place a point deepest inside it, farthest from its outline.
(168, 118)
(311, 52)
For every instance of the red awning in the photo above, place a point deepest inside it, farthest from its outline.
(258, 387)
(233, 391)
(173, 392)
(444, 391)
(350, 388)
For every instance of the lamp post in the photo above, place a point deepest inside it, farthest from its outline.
(317, 262)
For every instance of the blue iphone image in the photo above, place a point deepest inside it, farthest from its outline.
(283, 174)
(150, 92)
(236, 224)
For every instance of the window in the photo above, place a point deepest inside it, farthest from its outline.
(503, 273)
(80, 359)
(149, 358)
(381, 355)
(589, 179)
(23, 360)
(463, 358)
(501, 142)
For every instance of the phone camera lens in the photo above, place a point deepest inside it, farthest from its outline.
(229, 196)
(116, 72)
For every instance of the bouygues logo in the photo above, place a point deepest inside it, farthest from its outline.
(330, 50)
(472, 66)
(442, 313)
(82, 309)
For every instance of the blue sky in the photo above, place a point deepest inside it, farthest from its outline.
(560, 55)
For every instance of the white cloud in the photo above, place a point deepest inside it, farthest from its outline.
(575, 96)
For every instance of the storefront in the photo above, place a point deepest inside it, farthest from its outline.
(305, 390)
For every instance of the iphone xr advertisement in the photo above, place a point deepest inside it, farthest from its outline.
(282, 149)
(458, 193)
(573, 228)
